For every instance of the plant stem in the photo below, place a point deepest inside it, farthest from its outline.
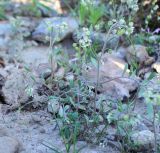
(155, 131)
(99, 61)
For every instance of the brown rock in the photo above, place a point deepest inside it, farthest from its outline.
(138, 53)
(114, 81)
(14, 88)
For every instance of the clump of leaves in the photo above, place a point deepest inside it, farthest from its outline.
(124, 119)
(90, 13)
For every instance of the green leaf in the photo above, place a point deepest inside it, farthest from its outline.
(151, 76)
(94, 61)
(150, 110)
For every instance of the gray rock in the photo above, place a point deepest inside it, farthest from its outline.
(34, 55)
(10, 36)
(144, 139)
(53, 106)
(57, 28)
(98, 38)
(5, 29)
(5, 33)
(9, 145)
(27, 25)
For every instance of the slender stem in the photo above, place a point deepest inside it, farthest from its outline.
(98, 63)
(121, 77)
(155, 130)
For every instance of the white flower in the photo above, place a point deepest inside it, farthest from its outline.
(123, 28)
(63, 26)
(122, 21)
(155, 7)
(132, 4)
(84, 40)
(49, 26)
(29, 91)
(131, 24)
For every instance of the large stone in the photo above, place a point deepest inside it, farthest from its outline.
(114, 80)
(26, 25)
(35, 55)
(21, 90)
(9, 145)
(134, 53)
(11, 36)
(57, 28)
(138, 53)
(38, 59)
(14, 88)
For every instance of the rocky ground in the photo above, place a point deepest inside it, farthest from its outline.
(27, 124)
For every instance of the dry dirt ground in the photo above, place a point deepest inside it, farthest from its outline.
(35, 129)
